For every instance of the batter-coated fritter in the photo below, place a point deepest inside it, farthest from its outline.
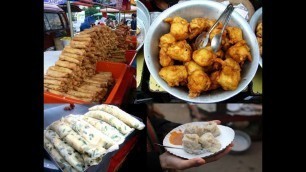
(174, 75)
(204, 56)
(259, 30)
(166, 40)
(239, 52)
(179, 27)
(229, 77)
(180, 51)
(198, 82)
(164, 59)
(214, 80)
(196, 26)
(234, 34)
(192, 66)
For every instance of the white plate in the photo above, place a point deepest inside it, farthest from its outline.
(225, 138)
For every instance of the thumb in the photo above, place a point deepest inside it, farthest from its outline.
(195, 162)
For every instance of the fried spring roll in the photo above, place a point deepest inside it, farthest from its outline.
(55, 87)
(56, 92)
(79, 44)
(66, 64)
(76, 56)
(58, 79)
(80, 94)
(57, 74)
(70, 59)
(71, 50)
(54, 82)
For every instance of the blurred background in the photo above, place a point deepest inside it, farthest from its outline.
(245, 119)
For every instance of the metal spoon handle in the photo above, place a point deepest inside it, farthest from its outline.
(228, 17)
(229, 6)
(167, 146)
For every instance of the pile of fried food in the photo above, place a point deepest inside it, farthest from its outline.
(201, 137)
(259, 36)
(74, 74)
(201, 70)
(77, 142)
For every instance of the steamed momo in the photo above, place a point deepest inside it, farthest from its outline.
(209, 142)
(211, 127)
(191, 141)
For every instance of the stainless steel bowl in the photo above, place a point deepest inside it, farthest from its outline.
(190, 10)
(256, 18)
(143, 22)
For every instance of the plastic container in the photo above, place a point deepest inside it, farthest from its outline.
(118, 70)
(130, 56)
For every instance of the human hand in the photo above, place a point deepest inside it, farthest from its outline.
(169, 161)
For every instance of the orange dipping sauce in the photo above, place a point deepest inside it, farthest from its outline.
(176, 138)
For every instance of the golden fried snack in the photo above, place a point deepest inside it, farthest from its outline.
(164, 59)
(192, 66)
(234, 34)
(220, 54)
(214, 80)
(225, 44)
(229, 77)
(57, 74)
(204, 56)
(75, 56)
(54, 82)
(79, 44)
(56, 92)
(239, 52)
(69, 59)
(80, 94)
(174, 75)
(83, 37)
(259, 40)
(180, 51)
(197, 26)
(179, 27)
(71, 50)
(259, 30)
(61, 69)
(66, 64)
(198, 81)
(166, 40)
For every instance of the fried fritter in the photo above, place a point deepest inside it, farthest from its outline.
(174, 75)
(239, 52)
(214, 80)
(198, 81)
(179, 27)
(234, 34)
(196, 26)
(164, 59)
(259, 30)
(192, 66)
(204, 56)
(180, 51)
(215, 32)
(166, 40)
(229, 77)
